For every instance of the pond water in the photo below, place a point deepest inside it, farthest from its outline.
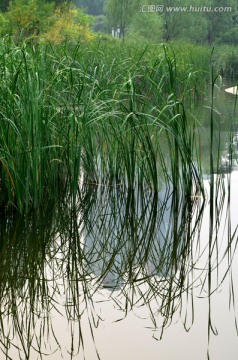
(127, 274)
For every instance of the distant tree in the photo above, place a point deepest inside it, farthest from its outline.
(100, 24)
(4, 5)
(59, 2)
(229, 37)
(201, 23)
(182, 24)
(72, 24)
(28, 18)
(40, 20)
(120, 13)
(219, 22)
(147, 26)
(92, 7)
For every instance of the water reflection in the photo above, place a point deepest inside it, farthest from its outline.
(136, 248)
(127, 238)
(229, 156)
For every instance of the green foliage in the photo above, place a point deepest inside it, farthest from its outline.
(4, 5)
(188, 27)
(39, 21)
(69, 25)
(200, 24)
(197, 25)
(92, 7)
(219, 22)
(120, 13)
(229, 37)
(226, 61)
(59, 3)
(31, 18)
(147, 26)
(27, 19)
(4, 24)
(100, 24)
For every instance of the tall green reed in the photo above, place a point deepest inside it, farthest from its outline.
(83, 112)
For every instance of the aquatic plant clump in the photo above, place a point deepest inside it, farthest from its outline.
(94, 113)
(108, 131)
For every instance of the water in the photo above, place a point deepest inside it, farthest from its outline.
(125, 274)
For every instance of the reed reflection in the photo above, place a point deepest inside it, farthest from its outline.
(136, 244)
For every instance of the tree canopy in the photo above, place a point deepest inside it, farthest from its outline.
(207, 21)
(66, 18)
(92, 7)
(45, 20)
(4, 5)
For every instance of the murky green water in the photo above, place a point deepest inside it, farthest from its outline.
(127, 274)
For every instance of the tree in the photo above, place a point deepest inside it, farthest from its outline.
(29, 18)
(147, 26)
(59, 3)
(219, 22)
(39, 20)
(204, 22)
(92, 7)
(100, 24)
(4, 5)
(70, 24)
(182, 24)
(120, 13)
